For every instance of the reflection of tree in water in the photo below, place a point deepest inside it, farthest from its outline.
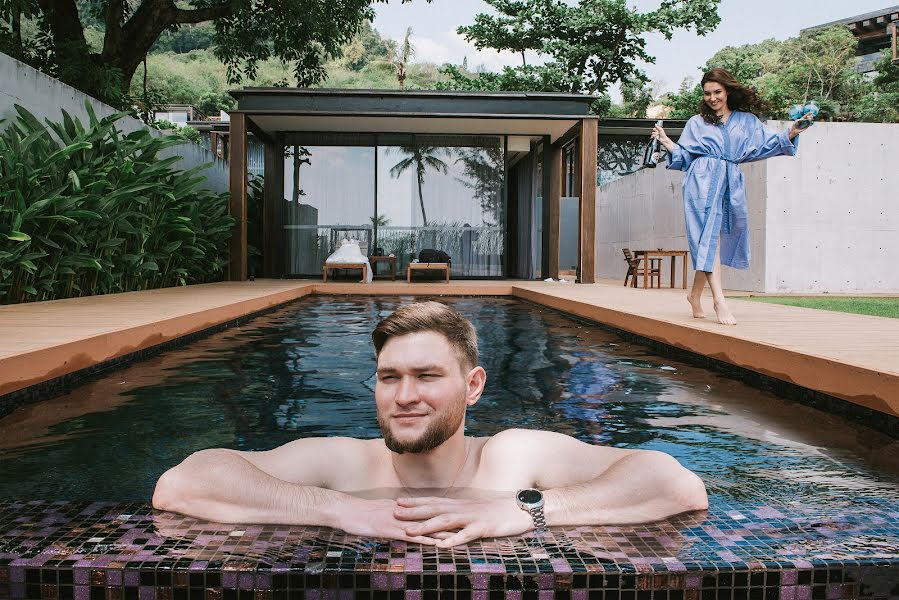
(483, 175)
(619, 155)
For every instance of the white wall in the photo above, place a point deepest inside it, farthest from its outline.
(46, 98)
(833, 216)
(826, 220)
(645, 210)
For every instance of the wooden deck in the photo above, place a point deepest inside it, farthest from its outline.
(853, 357)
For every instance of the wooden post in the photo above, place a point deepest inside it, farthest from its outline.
(895, 33)
(238, 207)
(272, 223)
(554, 198)
(587, 155)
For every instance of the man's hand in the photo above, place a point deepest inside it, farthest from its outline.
(376, 518)
(455, 522)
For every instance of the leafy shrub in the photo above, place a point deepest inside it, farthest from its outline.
(86, 210)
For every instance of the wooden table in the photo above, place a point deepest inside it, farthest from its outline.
(425, 266)
(647, 255)
(362, 266)
(391, 260)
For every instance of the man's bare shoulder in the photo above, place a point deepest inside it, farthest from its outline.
(314, 461)
(548, 458)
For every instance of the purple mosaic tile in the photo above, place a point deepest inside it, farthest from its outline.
(799, 554)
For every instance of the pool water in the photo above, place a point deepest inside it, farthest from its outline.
(803, 505)
(308, 370)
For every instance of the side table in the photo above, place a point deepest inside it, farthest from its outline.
(390, 260)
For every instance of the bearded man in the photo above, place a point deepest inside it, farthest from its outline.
(425, 481)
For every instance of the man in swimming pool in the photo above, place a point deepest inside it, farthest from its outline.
(425, 481)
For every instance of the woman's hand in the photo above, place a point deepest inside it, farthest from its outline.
(796, 130)
(658, 133)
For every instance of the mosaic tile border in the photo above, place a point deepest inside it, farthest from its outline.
(116, 551)
(882, 422)
(179, 583)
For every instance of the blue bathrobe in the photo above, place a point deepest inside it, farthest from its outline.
(714, 191)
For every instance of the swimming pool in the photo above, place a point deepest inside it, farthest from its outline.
(789, 486)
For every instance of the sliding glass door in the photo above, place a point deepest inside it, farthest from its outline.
(400, 195)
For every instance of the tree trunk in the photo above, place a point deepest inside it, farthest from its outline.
(17, 29)
(421, 200)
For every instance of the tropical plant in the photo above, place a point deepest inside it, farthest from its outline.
(86, 210)
(398, 57)
(421, 158)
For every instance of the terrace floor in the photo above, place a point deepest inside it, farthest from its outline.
(852, 357)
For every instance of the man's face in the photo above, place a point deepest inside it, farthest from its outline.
(422, 391)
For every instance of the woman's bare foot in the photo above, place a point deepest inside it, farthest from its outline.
(696, 305)
(724, 315)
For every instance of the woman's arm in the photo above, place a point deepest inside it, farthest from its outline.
(767, 143)
(680, 157)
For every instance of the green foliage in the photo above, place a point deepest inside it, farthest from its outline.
(188, 37)
(818, 65)
(85, 210)
(244, 34)
(586, 47)
(685, 103)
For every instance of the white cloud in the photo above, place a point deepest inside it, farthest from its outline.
(451, 47)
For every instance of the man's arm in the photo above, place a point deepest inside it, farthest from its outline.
(287, 485)
(222, 485)
(641, 487)
(583, 485)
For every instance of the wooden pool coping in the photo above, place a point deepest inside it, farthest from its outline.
(847, 356)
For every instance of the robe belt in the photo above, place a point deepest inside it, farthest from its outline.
(725, 223)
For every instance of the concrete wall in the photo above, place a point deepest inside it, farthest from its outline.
(46, 98)
(645, 210)
(833, 215)
(823, 221)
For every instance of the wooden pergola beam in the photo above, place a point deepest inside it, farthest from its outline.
(237, 162)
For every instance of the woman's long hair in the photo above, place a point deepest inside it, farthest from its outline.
(739, 96)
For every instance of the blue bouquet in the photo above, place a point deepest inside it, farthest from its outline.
(797, 111)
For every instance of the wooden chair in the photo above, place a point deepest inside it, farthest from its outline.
(634, 269)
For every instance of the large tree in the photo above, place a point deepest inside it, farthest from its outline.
(584, 47)
(302, 33)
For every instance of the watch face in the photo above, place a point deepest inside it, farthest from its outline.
(530, 496)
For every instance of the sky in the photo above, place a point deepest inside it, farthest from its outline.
(435, 39)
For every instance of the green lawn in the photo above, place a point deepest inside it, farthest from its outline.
(880, 307)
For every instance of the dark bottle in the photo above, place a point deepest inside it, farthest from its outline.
(651, 154)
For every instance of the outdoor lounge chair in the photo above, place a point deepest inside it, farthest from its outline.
(634, 268)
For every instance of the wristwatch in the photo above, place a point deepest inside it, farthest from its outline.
(531, 500)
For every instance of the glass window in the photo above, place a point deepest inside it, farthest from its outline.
(329, 192)
(443, 193)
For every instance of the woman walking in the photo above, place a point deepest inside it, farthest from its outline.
(713, 144)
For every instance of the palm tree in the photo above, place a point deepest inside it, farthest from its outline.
(421, 157)
(398, 58)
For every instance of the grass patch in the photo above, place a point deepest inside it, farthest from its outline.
(879, 307)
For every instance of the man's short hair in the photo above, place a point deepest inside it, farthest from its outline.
(431, 316)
